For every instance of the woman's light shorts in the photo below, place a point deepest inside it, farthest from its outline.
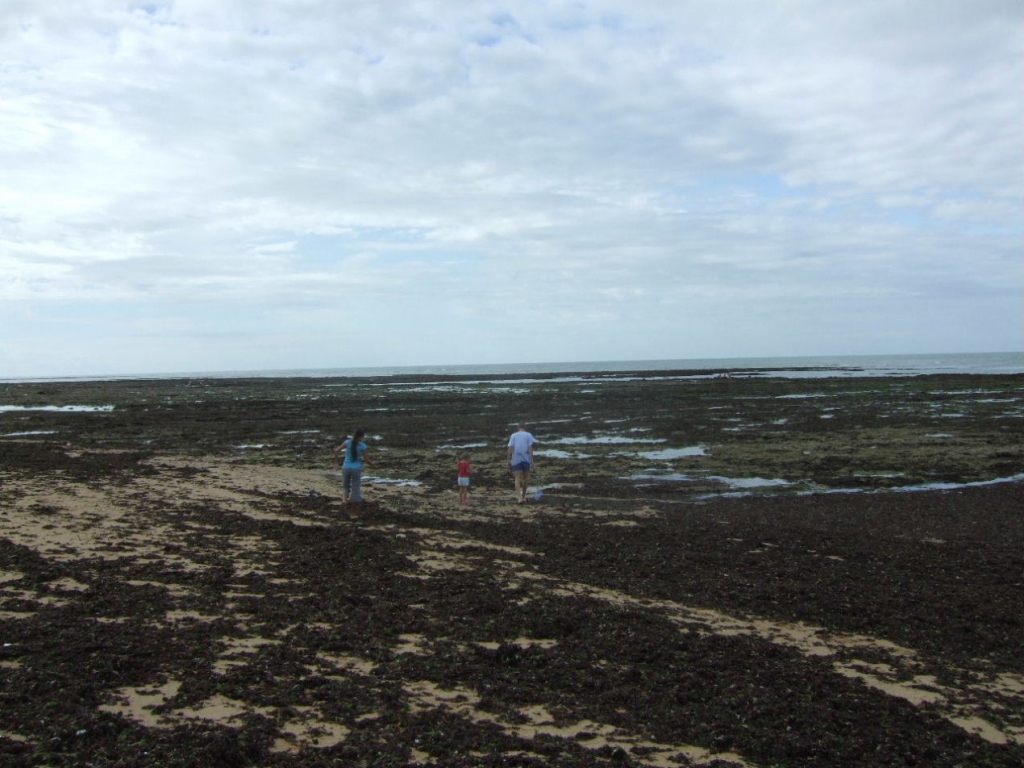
(464, 482)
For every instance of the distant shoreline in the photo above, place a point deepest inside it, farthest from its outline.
(789, 367)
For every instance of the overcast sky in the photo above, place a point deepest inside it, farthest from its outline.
(210, 185)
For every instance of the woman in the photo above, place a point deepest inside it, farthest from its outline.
(352, 471)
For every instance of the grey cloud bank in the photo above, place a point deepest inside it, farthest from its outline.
(269, 185)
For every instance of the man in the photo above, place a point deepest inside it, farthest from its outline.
(520, 459)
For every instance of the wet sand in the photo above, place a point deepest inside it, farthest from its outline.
(744, 572)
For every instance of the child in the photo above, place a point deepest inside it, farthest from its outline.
(465, 467)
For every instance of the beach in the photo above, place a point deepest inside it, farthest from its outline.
(720, 570)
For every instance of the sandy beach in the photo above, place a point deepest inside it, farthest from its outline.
(743, 572)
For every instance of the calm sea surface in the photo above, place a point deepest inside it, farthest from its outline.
(880, 365)
(790, 367)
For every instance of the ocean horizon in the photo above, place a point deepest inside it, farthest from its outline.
(815, 366)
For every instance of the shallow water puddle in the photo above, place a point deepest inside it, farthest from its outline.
(57, 408)
(604, 440)
(671, 453)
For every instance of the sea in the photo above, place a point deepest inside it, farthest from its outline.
(787, 367)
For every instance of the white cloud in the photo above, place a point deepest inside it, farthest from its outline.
(601, 170)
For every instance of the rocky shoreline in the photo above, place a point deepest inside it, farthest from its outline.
(743, 571)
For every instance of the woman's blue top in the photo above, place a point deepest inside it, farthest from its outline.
(358, 463)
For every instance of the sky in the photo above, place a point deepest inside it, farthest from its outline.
(240, 185)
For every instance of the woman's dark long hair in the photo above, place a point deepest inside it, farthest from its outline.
(353, 444)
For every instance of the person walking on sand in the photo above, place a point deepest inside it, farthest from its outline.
(520, 459)
(352, 471)
(465, 467)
